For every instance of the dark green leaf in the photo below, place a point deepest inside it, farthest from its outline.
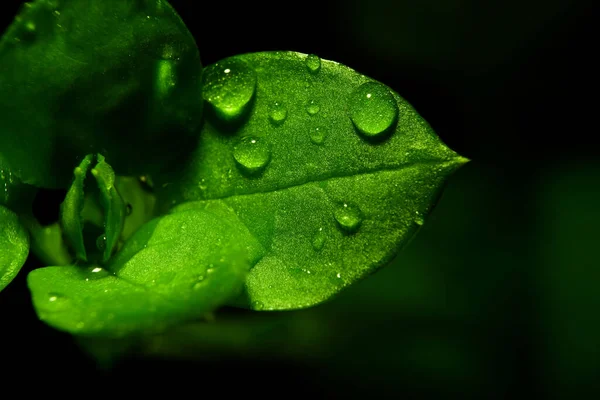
(71, 209)
(14, 246)
(113, 205)
(330, 170)
(174, 268)
(108, 77)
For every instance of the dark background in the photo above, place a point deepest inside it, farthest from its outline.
(496, 297)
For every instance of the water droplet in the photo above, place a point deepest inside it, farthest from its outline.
(128, 209)
(228, 87)
(348, 217)
(94, 273)
(57, 301)
(313, 63)
(198, 285)
(373, 109)
(317, 135)
(419, 219)
(339, 276)
(277, 113)
(312, 107)
(252, 154)
(258, 305)
(319, 240)
(101, 242)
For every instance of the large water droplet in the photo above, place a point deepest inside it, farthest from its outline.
(317, 135)
(348, 217)
(229, 86)
(252, 154)
(277, 113)
(313, 63)
(319, 240)
(373, 109)
(312, 107)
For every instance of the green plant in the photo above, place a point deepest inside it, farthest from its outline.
(269, 181)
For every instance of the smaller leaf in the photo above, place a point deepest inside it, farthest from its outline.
(72, 207)
(14, 242)
(112, 203)
(173, 269)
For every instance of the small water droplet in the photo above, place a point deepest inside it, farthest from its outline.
(128, 209)
(277, 113)
(312, 107)
(258, 305)
(94, 273)
(373, 109)
(229, 86)
(319, 240)
(313, 63)
(348, 217)
(419, 219)
(57, 301)
(252, 154)
(317, 135)
(101, 242)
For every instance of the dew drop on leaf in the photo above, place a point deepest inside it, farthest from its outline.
(348, 217)
(373, 109)
(257, 305)
(319, 240)
(317, 135)
(128, 209)
(57, 301)
(312, 107)
(252, 154)
(419, 220)
(95, 272)
(277, 113)
(101, 242)
(313, 63)
(229, 86)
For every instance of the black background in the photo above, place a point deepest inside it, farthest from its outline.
(508, 84)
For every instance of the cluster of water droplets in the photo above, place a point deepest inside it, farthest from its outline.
(230, 88)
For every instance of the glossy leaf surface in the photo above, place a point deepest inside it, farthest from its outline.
(80, 77)
(174, 268)
(14, 246)
(331, 171)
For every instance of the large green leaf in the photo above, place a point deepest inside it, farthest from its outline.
(80, 77)
(330, 170)
(14, 246)
(174, 268)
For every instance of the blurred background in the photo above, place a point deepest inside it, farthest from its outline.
(497, 295)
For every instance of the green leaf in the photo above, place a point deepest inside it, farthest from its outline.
(14, 245)
(113, 205)
(105, 78)
(71, 208)
(331, 171)
(174, 268)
